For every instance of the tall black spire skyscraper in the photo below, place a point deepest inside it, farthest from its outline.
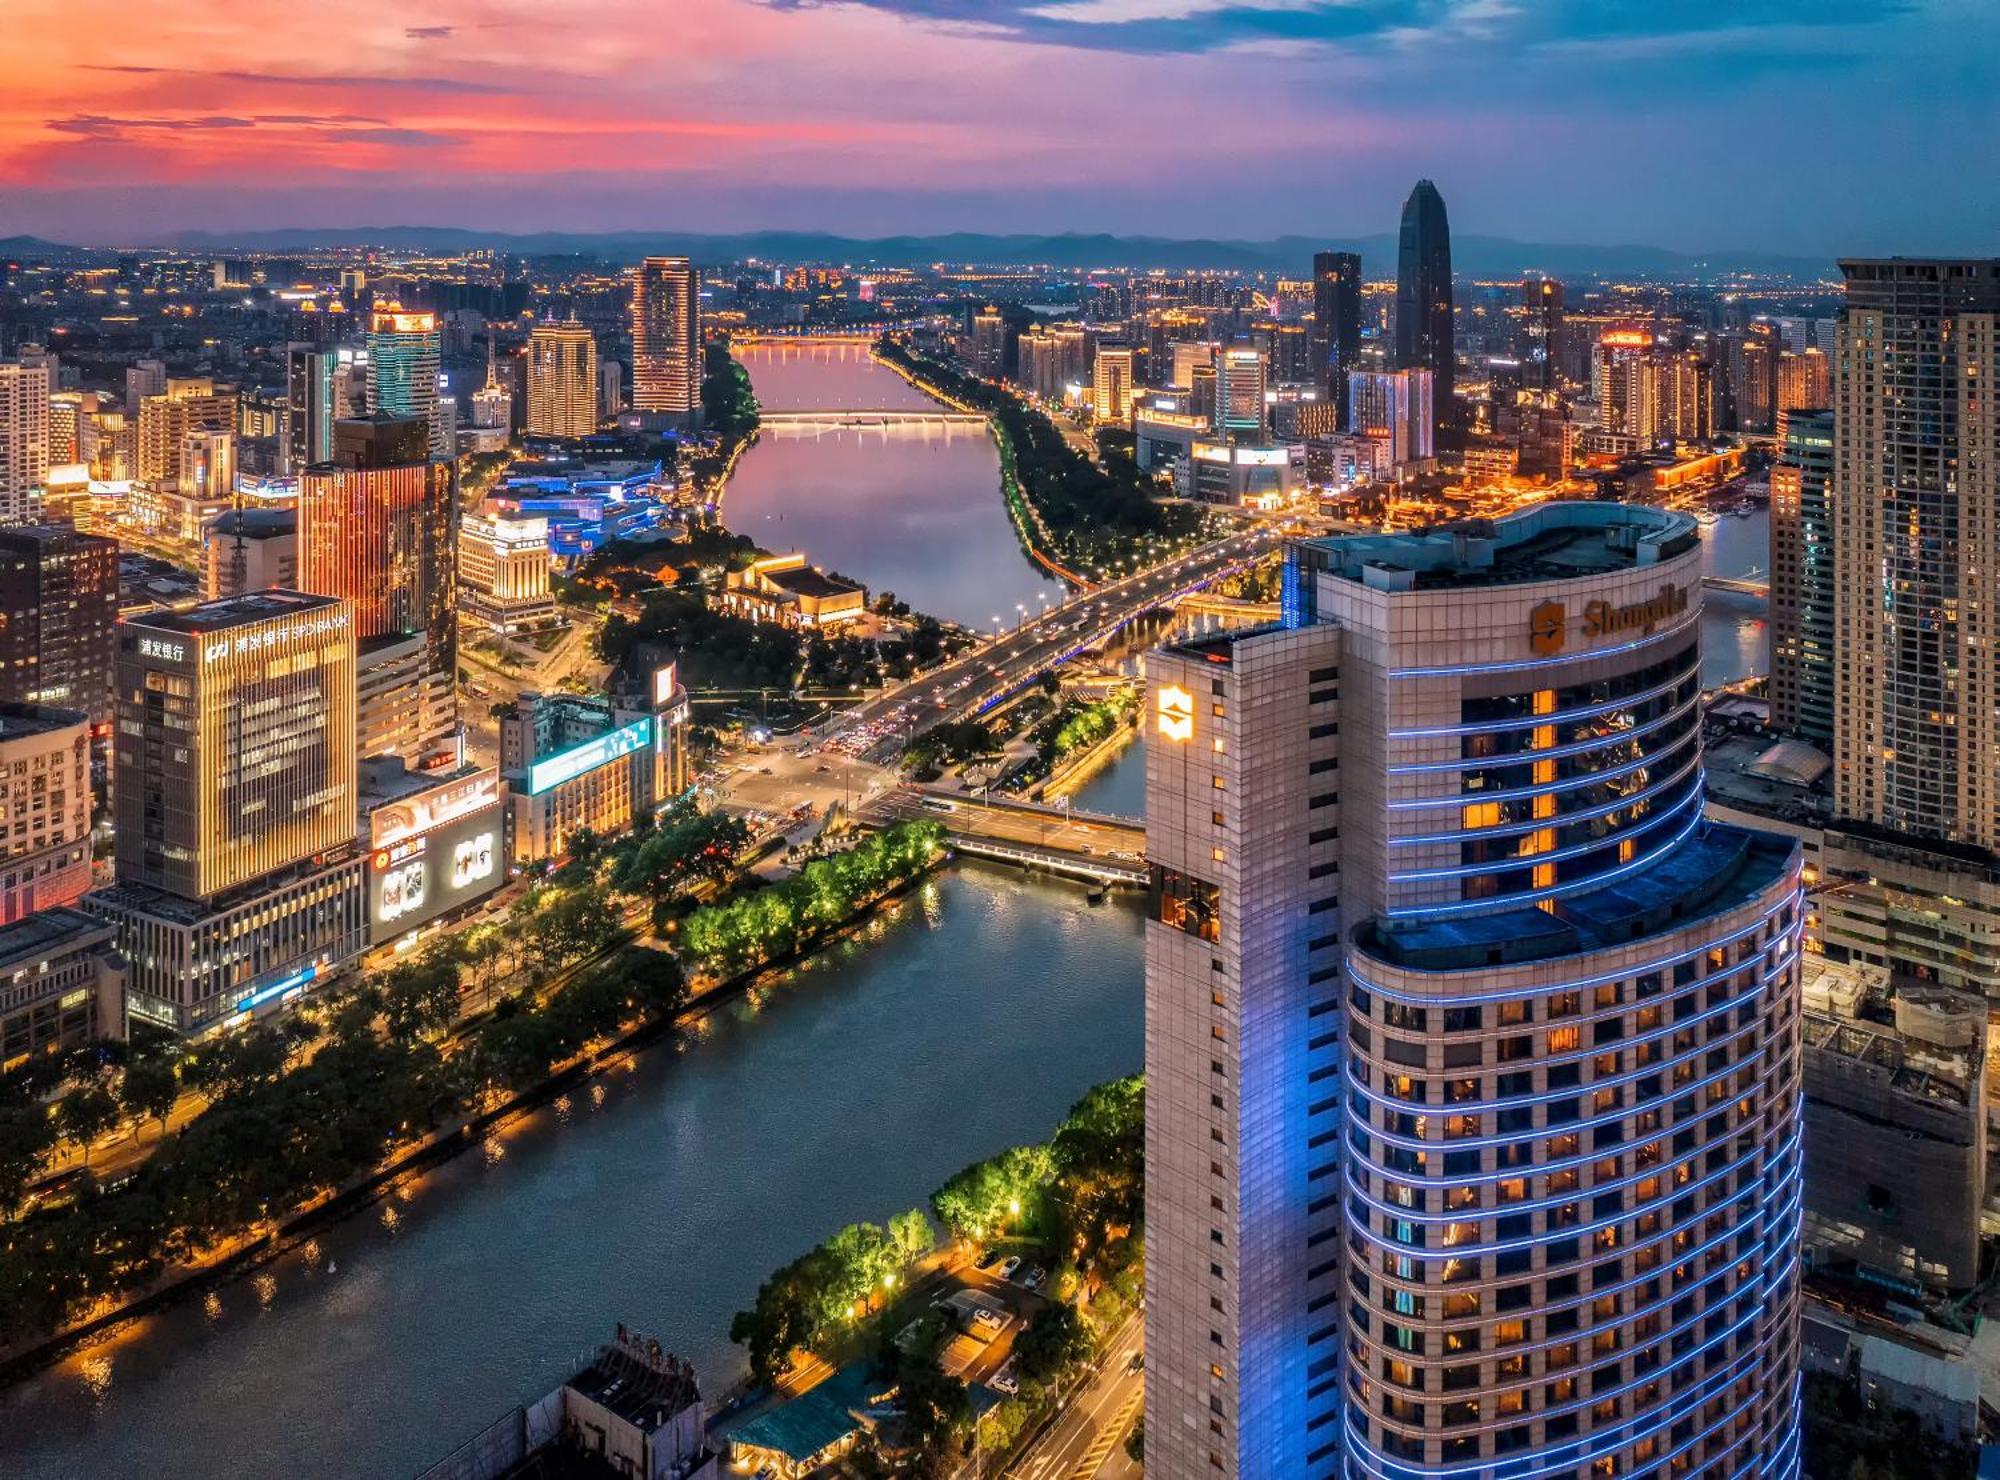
(1423, 300)
(1336, 335)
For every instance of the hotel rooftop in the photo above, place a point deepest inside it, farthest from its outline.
(1551, 542)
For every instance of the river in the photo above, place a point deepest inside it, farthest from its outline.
(911, 509)
(967, 1019)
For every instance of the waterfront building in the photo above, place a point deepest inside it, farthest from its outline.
(24, 439)
(785, 590)
(1113, 388)
(238, 884)
(1803, 380)
(62, 986)
(1687, 397)
(572, 762)
(1472, 1054)
(250, 550)
(666, 340)
(1242, 474)
(1424, 332)
(59, 596)
(1396, 408)
(1895, 1126)
(1753, 378)
(378, 528)
(503, 572)
(404, 352)
(1336, 329)
(989, 343)
(45, 804)
(562, 381)
(1802, 580)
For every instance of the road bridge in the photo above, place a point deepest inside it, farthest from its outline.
(870, 418)
(1741, 585)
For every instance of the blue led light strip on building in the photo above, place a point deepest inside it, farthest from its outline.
(1532, 664)
(1462, 907)
(1555, 855)
(1520, 793)
(1691, 767)
(1560, 716)
(1553, 753)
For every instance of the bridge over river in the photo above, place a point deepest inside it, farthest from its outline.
(838, 419)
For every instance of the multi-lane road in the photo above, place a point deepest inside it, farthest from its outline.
(1087, 1440)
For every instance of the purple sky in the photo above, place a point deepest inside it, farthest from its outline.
(1808, 126)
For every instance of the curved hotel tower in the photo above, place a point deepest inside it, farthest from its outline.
(1472, 1050)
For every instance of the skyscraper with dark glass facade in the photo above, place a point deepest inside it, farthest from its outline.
(1423, 299)
(1336, 334)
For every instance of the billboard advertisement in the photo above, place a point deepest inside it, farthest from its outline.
(572, 763)
(420, 875)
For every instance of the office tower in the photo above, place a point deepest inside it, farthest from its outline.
(989, 343)
(404, 351)
(45, 799)
(1424, 338)
(1240, 376)
(610, 389)
(492, 406)
(146, 378)
(66, 418)
(378, 528)
(1112, 385)
(562, 381)
(188, 404)
(1802, 580)
(208, 464)
(24, 439)
(1472, 1049)
(1287, 352)
(59, 597)
(235, 803)
(1394, 407)
(1615, 382)
(250, 550)
(666, 340)
(313, 402)
(1336, 332)
(1542, 307)
(503, 572)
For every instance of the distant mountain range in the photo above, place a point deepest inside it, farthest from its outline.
(1472, 255)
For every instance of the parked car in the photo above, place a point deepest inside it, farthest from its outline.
(990, 1258)
(1004, 1381)
(1032, 1280)
(1007, 1269)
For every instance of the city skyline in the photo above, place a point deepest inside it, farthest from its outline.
(907, 115)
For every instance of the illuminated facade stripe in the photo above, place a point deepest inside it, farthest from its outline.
(1529, 665)
(1524, 793)
(1690, 767)
(1558, 717)
(1554, 752)
(1554, 855)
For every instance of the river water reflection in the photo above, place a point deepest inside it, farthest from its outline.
(912, 509)
(968, 1020)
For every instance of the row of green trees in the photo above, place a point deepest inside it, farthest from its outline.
(828, 1288)
(769, 923)
(1094, 514)
(299, 1107)
(1077, 726)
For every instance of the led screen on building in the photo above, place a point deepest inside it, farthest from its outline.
(572, 763)
(421, 875)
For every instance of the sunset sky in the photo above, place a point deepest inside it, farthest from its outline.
(1807, 126)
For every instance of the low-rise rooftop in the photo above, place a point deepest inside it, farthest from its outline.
(1553, 541)
(237, 611)
(36, 936)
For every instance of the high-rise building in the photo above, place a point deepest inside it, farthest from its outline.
(146, 378)
(1241, 377)
(1753, 378)
(1802, 580)
(1424, 332)
(45, 802)
(989, 342)
(562, 381)
(1803, 382)
(1113, 386)
(24, 439)
(1916, 507)
(1336, 330)
(59, 600)
(1687, 396)
(404, 352)
(312, 405)
(378, 528)
(1542, 306)
(250, 550)
(1621, 382)
(188, 404)
(666, 339)
(236, 804)
(492, 404)
(503, 572)
(208, 464)
(1472, 1101)
(1394, 407)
